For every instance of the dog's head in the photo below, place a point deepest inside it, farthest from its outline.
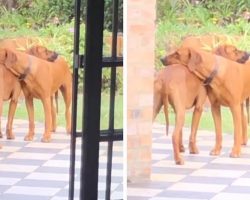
(43, 53)
(9, 59)
(184, 56)
(232, 53)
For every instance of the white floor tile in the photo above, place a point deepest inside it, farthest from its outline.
(171, 164)
(231, 196)
(39, 191)
(48, 176)
(218, 173)
(47, 145)
(8, 181)
(17, 168)
(242, 182)
(31, 156)
(234, 161)
(166, 177)
(145, 192)
(197, 187)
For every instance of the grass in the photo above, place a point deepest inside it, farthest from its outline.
(21, 112)
(196, 21)
(206, 122)
(177, 22)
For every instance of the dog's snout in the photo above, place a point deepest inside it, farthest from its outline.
(244, 58)
(53, 57)
(247, 55)
(163, 61)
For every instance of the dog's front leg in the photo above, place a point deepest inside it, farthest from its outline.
(179, 122)
(216, 112)
(30, 109)
(12, 109)
(236, 112)
(196, 120)
(195, 123)
(1, 98)
(67, 96)
(47, 112)
(53, 115)
(244, 126)
(1, 111)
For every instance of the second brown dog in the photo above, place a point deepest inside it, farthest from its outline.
(227, 83)
(183, 90)
(38, 80)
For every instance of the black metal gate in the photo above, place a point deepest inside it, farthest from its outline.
(93, 63)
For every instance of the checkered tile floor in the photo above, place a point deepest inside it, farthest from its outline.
(202, 177)
(39, 171)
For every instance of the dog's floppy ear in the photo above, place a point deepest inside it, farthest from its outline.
(220, 50)
(33, 50)
(194, 60)
(10, 58)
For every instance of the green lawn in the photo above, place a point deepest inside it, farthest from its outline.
(206, 122)
(21, 112)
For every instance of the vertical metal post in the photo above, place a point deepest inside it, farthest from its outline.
(112, 99)
(92, 100)
(74, 99)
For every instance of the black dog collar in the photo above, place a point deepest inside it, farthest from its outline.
(26, 71)
(209, 79)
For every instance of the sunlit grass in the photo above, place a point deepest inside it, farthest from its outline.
(206, 122)
(21, 112)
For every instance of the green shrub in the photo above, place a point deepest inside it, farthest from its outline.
(109, 13)
(178, 19)
(39, 13)
(52, 20)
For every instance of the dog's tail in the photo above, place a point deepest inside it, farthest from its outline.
(247, 108)
(157, 98)
(165, 103)
(56, 99)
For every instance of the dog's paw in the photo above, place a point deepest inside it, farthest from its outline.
(68, 130)
(46, 139)
(10, 136)
(215, 152)
(182, 148)
(235, 153)
(179, 161)
(193, 150)
(28, 137)
(53, 129)
(244, 142)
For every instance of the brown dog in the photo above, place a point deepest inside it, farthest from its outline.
(20, 43)
(11, 91)
(184, 90)
(32, 72)
(63, 77)
(208, 42)
(228, 85)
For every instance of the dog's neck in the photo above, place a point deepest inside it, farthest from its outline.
(26, 70)
(210, 78)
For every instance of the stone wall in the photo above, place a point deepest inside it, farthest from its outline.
(140, 62)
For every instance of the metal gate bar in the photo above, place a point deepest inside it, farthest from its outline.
(112, 99)
(92, 100)
(76, 65)
(91, 134)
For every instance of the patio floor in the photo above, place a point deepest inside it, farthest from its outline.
(40, 171)
(202, 177)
